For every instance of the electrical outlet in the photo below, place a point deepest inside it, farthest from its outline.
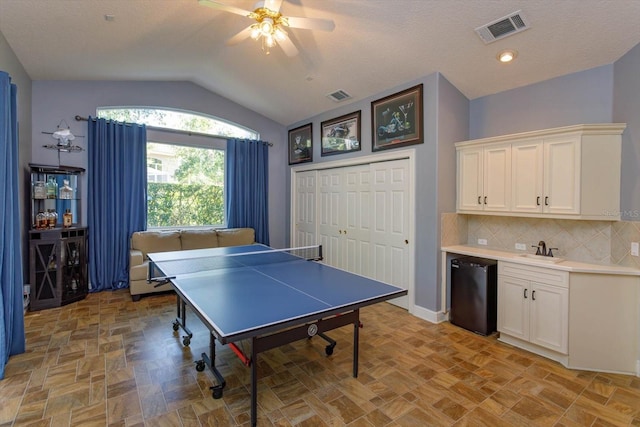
(521, 247)
(635, 247)
(482, 242)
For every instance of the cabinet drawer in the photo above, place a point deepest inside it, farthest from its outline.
(534, 273)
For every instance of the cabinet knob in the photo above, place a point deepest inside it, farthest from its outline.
(406, 242)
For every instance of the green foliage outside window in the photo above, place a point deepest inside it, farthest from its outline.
(185, 185)
(194, 196)
(173, 205)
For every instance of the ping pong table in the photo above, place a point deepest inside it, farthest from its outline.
(268, 296)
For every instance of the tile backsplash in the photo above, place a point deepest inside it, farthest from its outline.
(600, 242)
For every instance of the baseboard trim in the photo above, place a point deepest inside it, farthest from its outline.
(429, 315)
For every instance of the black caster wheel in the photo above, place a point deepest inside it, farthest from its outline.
(217, 392)
(200, 365)
(328, 350)
(176, 326)
(186, 341)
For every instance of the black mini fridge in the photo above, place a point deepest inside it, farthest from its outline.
(474, 294)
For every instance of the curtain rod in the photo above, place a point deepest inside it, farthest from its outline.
(180, 132)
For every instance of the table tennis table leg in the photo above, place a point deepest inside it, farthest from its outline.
(181, 321)
(254, 383)
(210, 361)
(356, 339)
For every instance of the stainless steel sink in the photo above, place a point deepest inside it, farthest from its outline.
(540, 258)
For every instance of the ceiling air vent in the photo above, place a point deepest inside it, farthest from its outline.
(339, 95)
(503, 27)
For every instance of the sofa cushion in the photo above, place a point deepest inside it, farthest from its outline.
(155, 241)
(199, 239)
(236, 237)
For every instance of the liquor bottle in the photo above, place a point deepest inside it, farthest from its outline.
(42, 221)
(52, 188)
(66, 192)
(39, 190)
(67, 219)
(53, 218)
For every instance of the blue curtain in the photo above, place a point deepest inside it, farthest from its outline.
(116, 199)
(12, 339)
(246, 168)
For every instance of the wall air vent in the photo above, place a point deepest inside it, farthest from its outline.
(338, 96)
(503, 27)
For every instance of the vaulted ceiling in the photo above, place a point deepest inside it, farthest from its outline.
(376, 45)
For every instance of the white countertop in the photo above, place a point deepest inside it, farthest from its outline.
(516, 257)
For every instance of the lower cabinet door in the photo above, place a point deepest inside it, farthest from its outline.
(549, 317)
(513, 307)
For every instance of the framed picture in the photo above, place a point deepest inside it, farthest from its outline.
(301, 144)
(341, 135)
(396, 120)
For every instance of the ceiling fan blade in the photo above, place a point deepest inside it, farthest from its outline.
(220, 6)
(311, 23)
(273, 5)
(288, 47)
(242, 35)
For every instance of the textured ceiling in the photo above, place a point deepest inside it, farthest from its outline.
(376, 45)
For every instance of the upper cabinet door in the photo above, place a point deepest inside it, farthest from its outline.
(470, 179)
(562, 176)
(497, 178)
(527, 175)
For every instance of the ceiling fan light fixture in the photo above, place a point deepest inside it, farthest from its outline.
(279, 34)
(266, 26)
(255, 32)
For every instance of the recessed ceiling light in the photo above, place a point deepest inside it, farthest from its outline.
(507, 55)
(109, 18)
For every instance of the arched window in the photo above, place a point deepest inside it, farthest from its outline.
(185, 179)
(178, 120)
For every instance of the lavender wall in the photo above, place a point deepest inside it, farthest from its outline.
(583, 97)
(445, 122)
(626, 109)
(54, 101)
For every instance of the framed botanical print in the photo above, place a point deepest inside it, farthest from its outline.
(301, 144)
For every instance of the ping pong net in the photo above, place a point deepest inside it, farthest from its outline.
(163, 270)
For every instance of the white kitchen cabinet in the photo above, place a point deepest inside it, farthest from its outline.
(571, 172)
(546, 176)
(484, 178)
(533, 307)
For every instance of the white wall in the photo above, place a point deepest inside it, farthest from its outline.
(54, 101)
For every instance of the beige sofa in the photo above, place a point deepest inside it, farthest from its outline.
(145, 242)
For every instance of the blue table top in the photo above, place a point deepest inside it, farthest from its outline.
(243, 301)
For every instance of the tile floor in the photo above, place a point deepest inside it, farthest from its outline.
(109, 361)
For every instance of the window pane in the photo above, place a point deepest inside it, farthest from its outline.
(177, 120)
(185, 186)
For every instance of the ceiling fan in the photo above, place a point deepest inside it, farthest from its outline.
(270, 24)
